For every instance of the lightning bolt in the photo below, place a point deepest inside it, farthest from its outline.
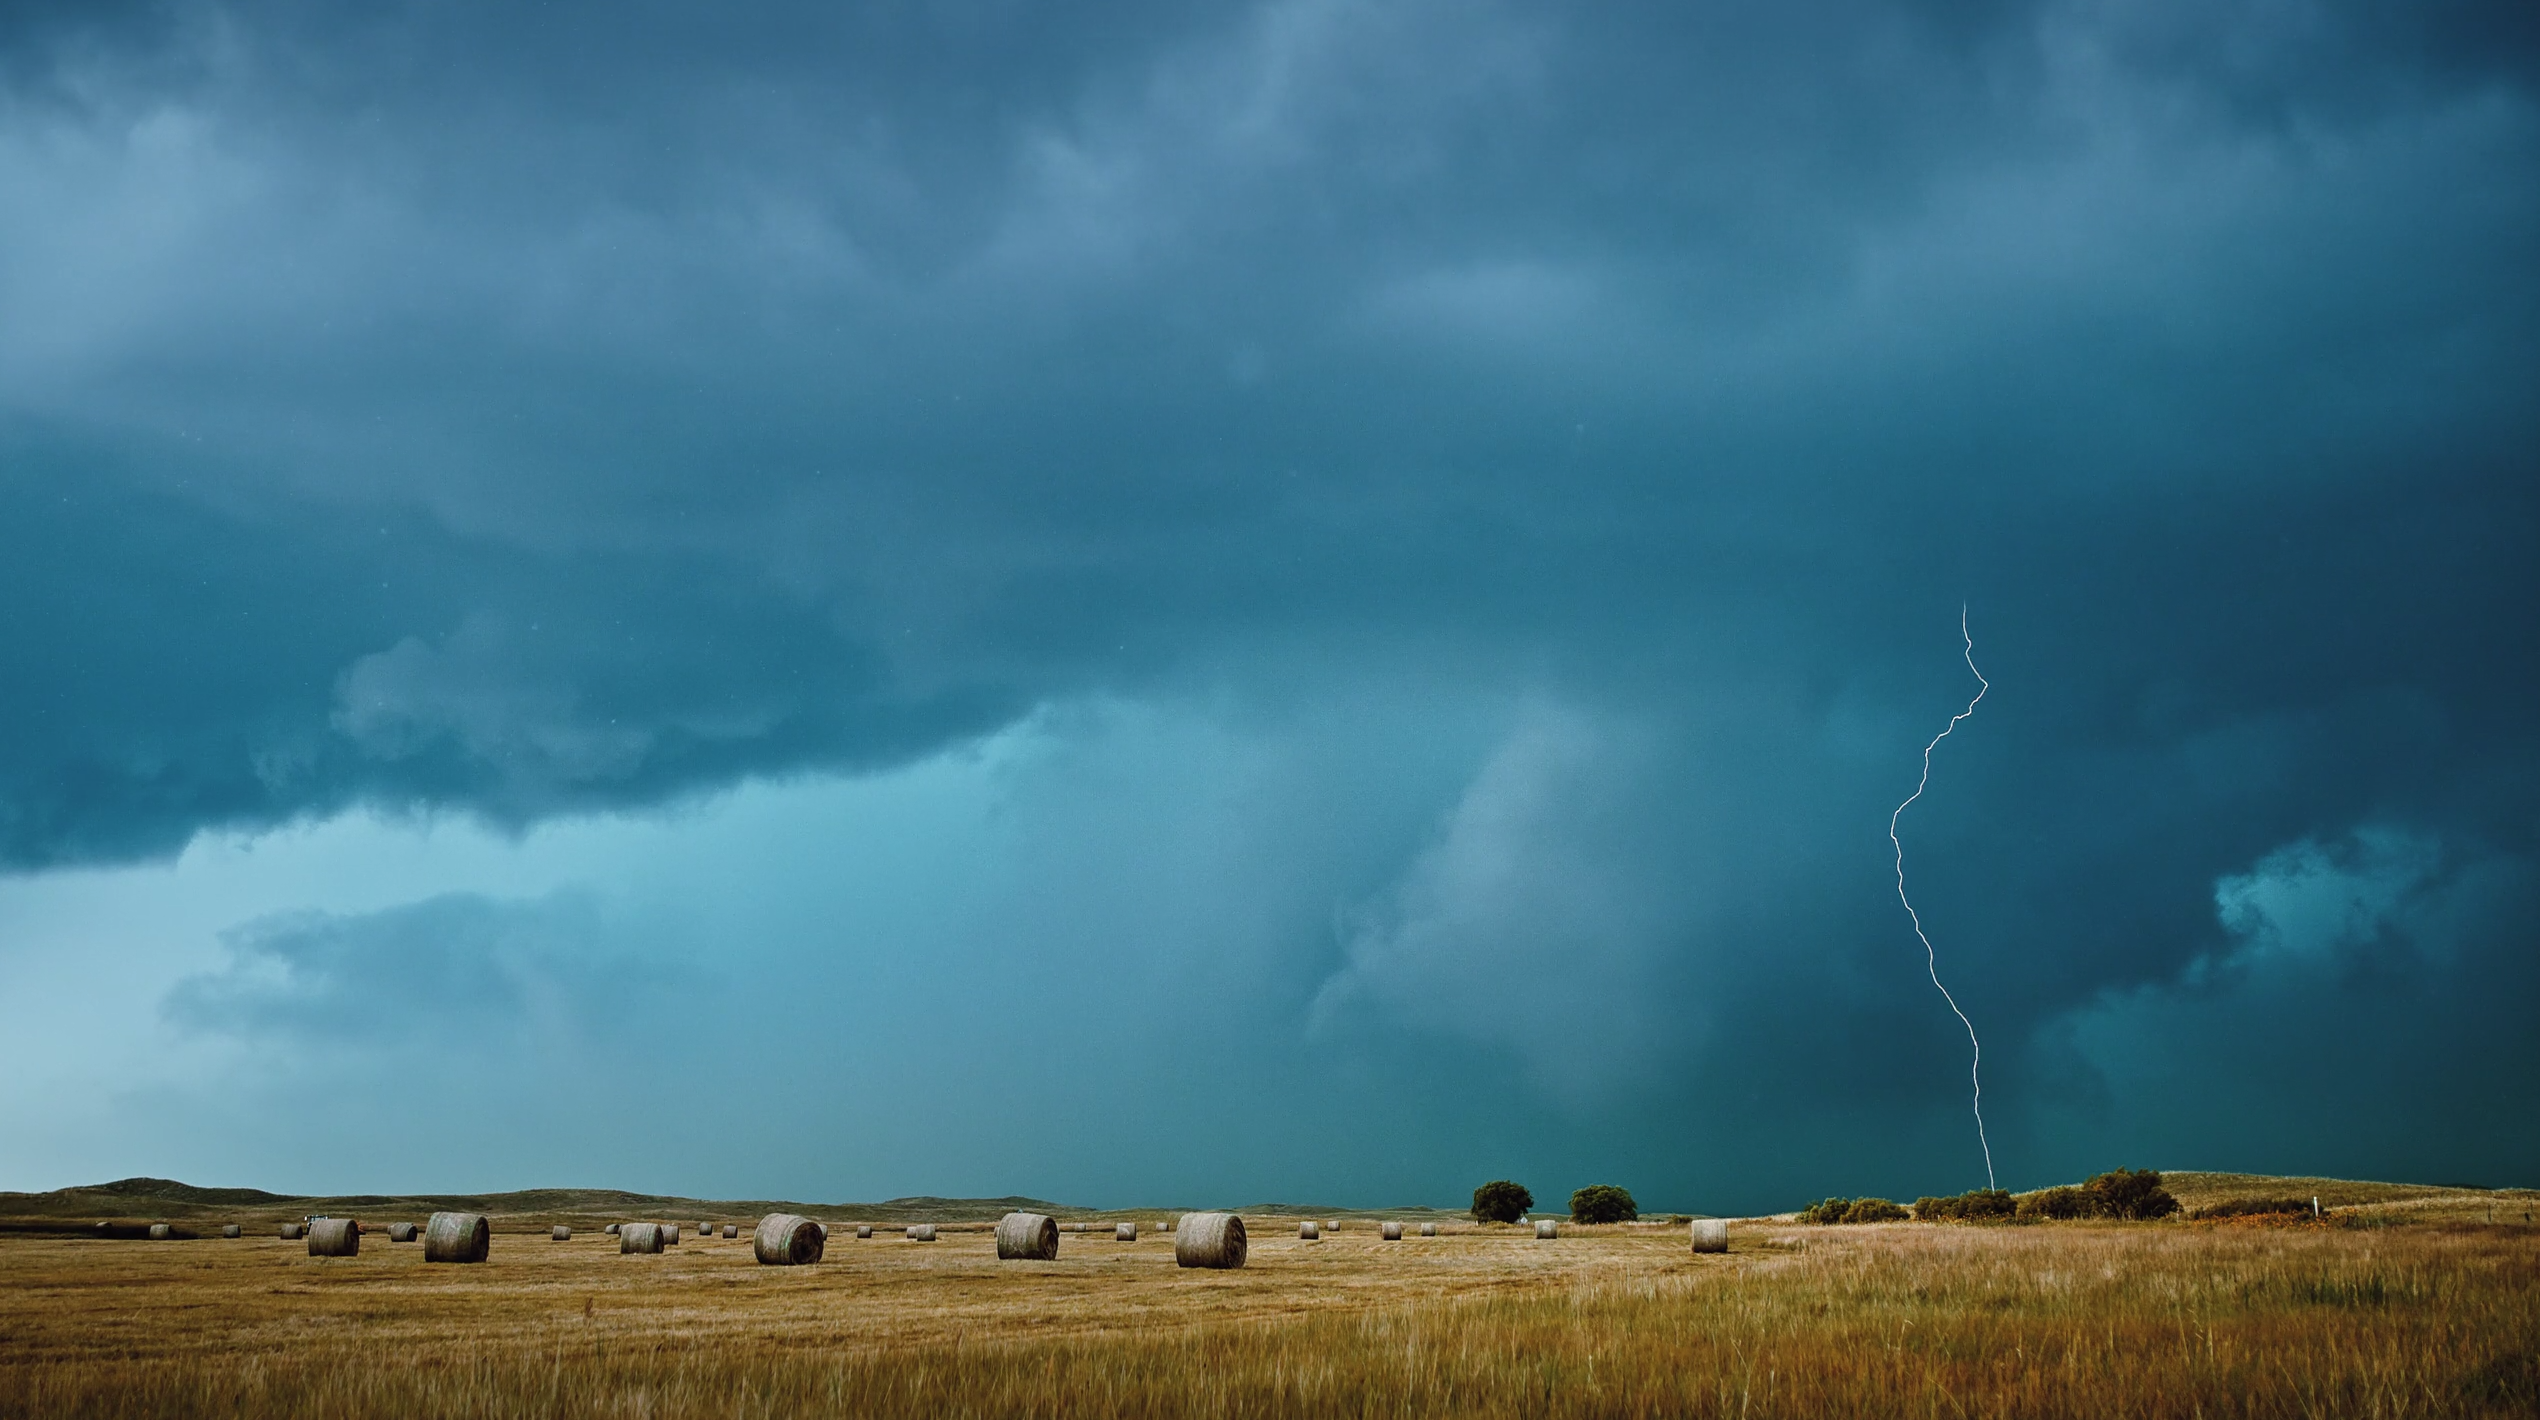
(1930, 958)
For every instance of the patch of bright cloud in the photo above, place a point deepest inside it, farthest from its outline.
(1536, 917)
(457, 964)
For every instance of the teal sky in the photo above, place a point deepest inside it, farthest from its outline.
(1318, 601)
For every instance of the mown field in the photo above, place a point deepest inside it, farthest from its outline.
(2371, 1315)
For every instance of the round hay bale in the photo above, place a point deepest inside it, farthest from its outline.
(921, 1232)
(1547, 1229)
(670, 1235)
(457, 1237)
(788, 1240)
(161, 1232)
(612, 1230)
(1027, 1237)
(1710, 1235)
(334, 1237)
(1393, 1232)
(293, 1232)
(1428, 1230)
(1209, 1240)
(733, 1230)
(1331, 1225)
(1124, 1232)
(864, 1230)
(229, 1230)
(560, 1233)
(705, 1230)
(401, 1232)
(638, 1237)
(1310, 1231)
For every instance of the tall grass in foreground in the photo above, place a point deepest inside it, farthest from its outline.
(2108, 1321)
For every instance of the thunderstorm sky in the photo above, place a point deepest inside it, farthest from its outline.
(1184, 604)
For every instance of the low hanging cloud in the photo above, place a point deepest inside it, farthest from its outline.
(2367, 981)
(2337, 904)
(1542, 919)
(471, 691)
(449, 969)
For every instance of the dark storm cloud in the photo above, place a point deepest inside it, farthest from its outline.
(182, 665)
(532, 413)
(2364, 979)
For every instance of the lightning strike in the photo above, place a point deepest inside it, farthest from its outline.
(1931, 959)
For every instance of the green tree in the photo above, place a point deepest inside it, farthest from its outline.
(1500, 1201)
(2131, 1193)
(1603, 1203)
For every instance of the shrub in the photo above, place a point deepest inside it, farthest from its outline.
(2064, 1202)
(1973, 1206)
(1874, 1210)
(2254, 1208)
(1603, 1203)
(1500, 1201)
(1852, 1210)
(2133, 1194)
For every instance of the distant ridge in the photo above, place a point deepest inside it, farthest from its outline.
(86, 1205)
(1316, 1210)
(168, 1198)
(2193, 1188)
(173, 1191)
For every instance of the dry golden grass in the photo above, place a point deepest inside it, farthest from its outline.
(2413, 1201)
(2134, 1320)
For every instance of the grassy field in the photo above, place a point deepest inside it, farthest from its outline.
(2414, 1317)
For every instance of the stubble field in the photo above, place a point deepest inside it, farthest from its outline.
(2432, 1318)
